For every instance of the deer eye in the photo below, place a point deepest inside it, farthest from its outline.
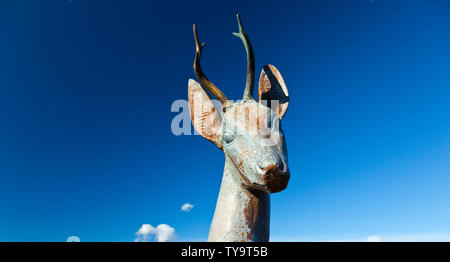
(228, 137)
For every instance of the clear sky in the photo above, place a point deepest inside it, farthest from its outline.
(86, 87)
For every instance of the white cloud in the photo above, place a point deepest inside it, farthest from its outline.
(162, 233)
(373, 239)
(73, 239)
(144, 233)
(187, 207)
(146, 229)
(165, 233)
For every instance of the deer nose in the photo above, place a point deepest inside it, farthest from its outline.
(275, 176)
(273, 163)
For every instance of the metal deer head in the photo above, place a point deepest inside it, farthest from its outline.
(249, 133)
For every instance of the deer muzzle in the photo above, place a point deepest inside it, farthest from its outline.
(275, 176)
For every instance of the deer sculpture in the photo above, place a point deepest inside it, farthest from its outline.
(250, 135)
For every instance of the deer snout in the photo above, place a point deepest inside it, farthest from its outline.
(271, 163)
(275, 175)
(266, 166)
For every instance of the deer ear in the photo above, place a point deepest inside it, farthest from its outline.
(272, 89)
(207, 121)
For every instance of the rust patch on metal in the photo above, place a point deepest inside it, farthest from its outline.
(250, 213)
(275, 180)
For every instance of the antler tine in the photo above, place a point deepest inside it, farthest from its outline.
(201, 76)
(249, 83)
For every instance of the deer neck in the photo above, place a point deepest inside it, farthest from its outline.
(241, 214)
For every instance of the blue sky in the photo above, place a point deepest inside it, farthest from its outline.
(86, 88)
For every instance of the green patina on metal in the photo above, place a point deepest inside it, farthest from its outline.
(250, 135)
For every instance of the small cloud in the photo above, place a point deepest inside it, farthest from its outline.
(162, 233)
(165, 233)
(187, 207)
(373, 239)
(146, 229)
(73, 239)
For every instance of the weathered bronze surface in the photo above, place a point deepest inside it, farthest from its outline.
(250, 135)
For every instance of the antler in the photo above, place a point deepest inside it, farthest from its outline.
(201, 76)
(248, 91)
